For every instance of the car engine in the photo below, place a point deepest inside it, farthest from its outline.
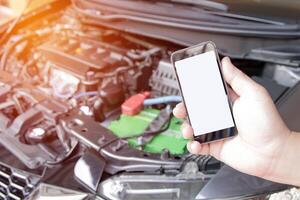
(97, 103)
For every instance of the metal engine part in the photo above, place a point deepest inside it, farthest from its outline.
(151, 186)
(163, 80)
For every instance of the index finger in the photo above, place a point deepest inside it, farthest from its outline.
(180, 111)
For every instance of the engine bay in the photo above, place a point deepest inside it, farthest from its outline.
(70, 90)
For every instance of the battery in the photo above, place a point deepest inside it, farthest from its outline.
(170, 139)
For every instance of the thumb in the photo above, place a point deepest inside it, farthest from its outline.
(239, 82)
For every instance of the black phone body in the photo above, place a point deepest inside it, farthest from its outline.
(204, 92)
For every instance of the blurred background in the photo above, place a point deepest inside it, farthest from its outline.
(11, 8)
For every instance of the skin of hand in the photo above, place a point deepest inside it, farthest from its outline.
(264, 146)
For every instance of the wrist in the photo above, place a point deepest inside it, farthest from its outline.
(286, 164)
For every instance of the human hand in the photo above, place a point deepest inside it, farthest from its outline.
(262, 135)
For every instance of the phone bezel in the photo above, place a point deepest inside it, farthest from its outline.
(196, 50)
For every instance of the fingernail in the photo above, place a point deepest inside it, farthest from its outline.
(176, 107)
(227, 59)
(188, 146)
(183, 125)
(193, 147)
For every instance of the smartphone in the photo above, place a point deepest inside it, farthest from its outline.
(204, 92)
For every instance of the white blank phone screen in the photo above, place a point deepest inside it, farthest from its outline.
(204, 94)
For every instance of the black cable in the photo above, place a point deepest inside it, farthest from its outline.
(166, 126)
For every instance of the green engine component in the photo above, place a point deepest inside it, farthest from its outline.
(130, 126)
